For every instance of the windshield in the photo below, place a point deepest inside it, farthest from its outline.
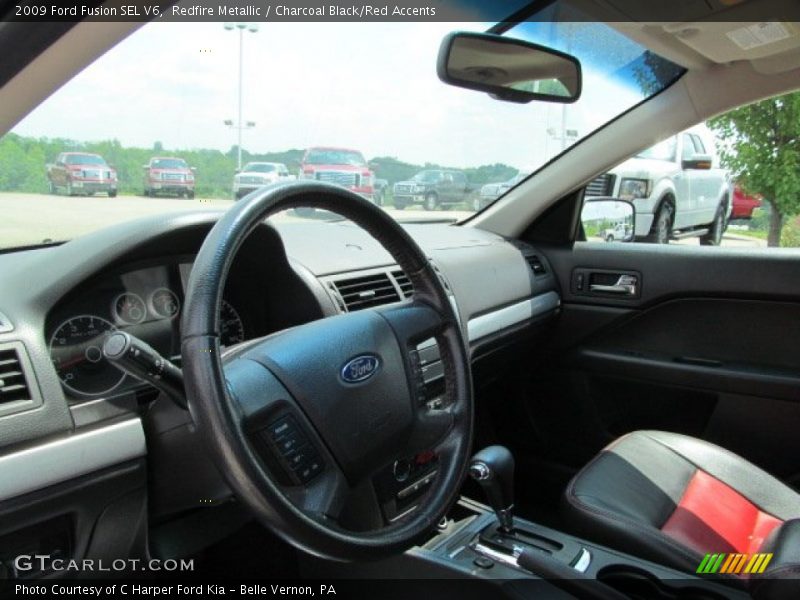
(259, 168)
(662, 151)
(426, 176)
(83, 159)
(168, 163)
(349, 105)
(335, 157)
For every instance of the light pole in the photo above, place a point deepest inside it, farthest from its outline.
(252, 28)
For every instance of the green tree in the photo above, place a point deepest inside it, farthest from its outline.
(760, 145)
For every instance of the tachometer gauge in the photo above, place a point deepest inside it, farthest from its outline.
(164, 303)
(129, 309)
(76, 349)
(231, 328)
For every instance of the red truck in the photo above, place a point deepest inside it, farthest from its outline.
(341, 166)
(744, 205)
(81, 173)
(168, 175)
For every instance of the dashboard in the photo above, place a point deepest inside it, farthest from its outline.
(77, 416)
(144, 300)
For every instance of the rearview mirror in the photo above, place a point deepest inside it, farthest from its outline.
(697, 161)
(608, 220)
(508, 69)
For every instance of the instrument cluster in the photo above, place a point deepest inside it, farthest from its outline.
(147, 302)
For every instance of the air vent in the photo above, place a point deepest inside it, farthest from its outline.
(13, 384)
(404, 283)
(537, 266)
(366, 291)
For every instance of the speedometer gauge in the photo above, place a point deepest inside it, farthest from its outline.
(76, 349)
(231, 328)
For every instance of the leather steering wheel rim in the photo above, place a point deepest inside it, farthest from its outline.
(218, 414)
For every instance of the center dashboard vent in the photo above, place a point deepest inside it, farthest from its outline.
(366, 291)
(404, 283)
(13, 383)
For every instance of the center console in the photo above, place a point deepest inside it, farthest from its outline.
(521, 559)
(472, 543)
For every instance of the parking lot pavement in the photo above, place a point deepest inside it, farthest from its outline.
(27, 219)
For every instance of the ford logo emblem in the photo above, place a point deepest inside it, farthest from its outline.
(360, 368)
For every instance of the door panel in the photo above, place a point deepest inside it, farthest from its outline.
(709, 347)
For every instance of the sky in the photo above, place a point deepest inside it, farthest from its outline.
(368, 86)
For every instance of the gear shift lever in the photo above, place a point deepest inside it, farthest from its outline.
(493, 469)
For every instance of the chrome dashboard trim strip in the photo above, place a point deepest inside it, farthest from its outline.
(68, 457)
(511, 315)
(5, 324)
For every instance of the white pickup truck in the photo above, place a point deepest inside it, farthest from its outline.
(675, 188)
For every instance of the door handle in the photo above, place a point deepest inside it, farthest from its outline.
(626, 286)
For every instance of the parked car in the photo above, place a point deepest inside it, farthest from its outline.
(379, 189)
(81, 173)
(168, 175)
(675, 188)
(492, 191)
(258, 174)
(432, 188)
(743, 204)
(341, 166)
(619, 232)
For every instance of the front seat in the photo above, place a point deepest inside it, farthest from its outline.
(672, 499)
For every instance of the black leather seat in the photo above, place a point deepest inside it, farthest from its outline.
(672, 499)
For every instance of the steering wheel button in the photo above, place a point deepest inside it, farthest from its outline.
(301, 456)
(310, 470)
(290, 442)
(281, 427)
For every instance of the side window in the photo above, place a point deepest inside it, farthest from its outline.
(688, 148)
(681, 200)
(698, 144)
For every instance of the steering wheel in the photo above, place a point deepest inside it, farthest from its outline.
(299, 420)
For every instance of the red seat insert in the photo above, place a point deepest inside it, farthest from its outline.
(713, 517)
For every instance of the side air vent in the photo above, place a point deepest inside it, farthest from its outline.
(404, 283)
(536, 264)
(366, 291)
(13, 383)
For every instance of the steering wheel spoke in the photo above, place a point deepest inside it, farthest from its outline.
(413, 322)
(283, 440)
